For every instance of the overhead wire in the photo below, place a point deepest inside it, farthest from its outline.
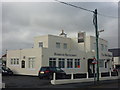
(85, 9)
(107, 16)
(74, 6)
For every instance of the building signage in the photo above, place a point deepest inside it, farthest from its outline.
(65, 54)
(81, 36)
(106, 55)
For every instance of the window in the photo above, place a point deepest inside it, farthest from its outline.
(17, 61)
(65, 45)
(69, 63)
(31, 62)
(23, 57)
(40, 44)
(23, 64)
(105, 64)
(102, 47)
(52, 62)
(61, 63)
(94, 46)
(77, 63)
(11, 61)
(101, 63)
(106, 47)
(14, 61)
(57, 45)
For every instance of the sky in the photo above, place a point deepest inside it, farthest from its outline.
(22, 21)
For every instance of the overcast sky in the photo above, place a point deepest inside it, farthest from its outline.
(21, 22)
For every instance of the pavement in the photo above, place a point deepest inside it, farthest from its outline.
(35, 82)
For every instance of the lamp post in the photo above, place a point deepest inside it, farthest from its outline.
(97, 38)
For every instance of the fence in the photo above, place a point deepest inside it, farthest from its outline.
(87, 79)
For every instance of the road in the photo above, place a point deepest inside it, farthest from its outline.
(24, 82)
(35, 82)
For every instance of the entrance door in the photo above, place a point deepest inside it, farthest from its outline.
(23, 64)
(90, 66)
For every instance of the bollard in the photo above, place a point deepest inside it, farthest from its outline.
(100, 74)
(87, 75)
(110, 73)
(72, 76)
(54, 76)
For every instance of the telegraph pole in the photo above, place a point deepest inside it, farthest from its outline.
(97, 37)
(96, 31)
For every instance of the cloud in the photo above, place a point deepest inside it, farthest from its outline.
(22, 21)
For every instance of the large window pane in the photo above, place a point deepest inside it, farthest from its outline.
(69, 63)
(77, 63)
(61, 63)
(52, 62)
(31, 62)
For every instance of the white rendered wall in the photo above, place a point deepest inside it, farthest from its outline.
(27, 53)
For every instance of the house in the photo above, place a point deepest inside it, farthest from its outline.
(73, 55)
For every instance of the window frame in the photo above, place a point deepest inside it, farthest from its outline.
(31, 62)
(69, 63)
(76, 63)
(57, 44)
(65, 45)
(12, 61)
(40, 44)
(61, 63)
(52, 62)
(17, 61)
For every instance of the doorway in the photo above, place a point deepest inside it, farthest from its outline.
(23, 64)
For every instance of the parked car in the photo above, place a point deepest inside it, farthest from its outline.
(116, 70)
(6, 71)
(47, 72)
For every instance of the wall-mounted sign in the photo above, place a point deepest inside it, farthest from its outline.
(81, 37)
(65, 54)
(106, 55)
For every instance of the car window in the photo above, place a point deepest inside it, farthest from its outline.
(52, 69)
(55, 69)
(43, 69)
(5, 68)
(58, 69)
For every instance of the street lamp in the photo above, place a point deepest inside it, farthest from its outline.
(100, 32)
(97, 52)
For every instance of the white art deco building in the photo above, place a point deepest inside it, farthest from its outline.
(73, 55)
